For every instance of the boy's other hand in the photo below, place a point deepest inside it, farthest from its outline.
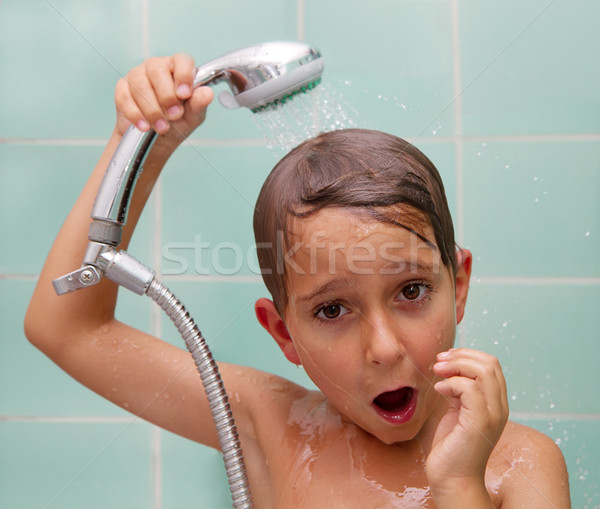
(158, 95)
(478, 411)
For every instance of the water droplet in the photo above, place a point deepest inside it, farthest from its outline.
(587, 234)
(303, 117)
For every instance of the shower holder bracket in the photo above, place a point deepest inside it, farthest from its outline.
(118, 266)
(86, 276)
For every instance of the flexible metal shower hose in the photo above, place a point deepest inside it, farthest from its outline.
(215, 392)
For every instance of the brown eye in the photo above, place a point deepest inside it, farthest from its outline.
(331, 311)
(411, 291)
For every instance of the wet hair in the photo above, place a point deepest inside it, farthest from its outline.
(372, 171)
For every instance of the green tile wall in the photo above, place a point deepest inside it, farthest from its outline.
(502, 97)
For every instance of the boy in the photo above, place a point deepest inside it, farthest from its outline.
(367, 290)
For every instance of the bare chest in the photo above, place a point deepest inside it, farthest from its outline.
(340, 470)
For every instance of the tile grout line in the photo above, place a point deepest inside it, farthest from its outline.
(19, 277)
(54, 141)
(300, 26)
(66, 419)
(494, 280)
(257, 142)
(155, 436)
(145, 30)
(457, 140)
(587, 281)
(528, 138)
(199, 278)
(155, 429)
(156, 475)
(556, 416)
(155, 317)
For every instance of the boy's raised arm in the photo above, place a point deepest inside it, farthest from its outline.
(78, 331)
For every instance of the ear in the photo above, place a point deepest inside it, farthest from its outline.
(269, 318)
(464, 261)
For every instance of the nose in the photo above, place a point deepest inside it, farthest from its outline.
(381, 339)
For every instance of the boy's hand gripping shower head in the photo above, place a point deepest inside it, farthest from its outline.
(259, 76)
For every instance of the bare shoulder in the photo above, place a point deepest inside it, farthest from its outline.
(527, 467)
(263, 398)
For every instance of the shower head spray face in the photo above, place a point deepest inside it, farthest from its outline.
(264, 75)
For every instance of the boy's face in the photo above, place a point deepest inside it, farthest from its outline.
(370, 305)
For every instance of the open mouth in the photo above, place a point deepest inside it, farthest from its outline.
(396, 406)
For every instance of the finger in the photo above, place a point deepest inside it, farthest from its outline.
(463, 390)
(473, 363)
(145, 98)
(197, 104)
(160, 74)
(183, 72)
(472, 405)
(466, 352)
(484, 369)
(126, 106)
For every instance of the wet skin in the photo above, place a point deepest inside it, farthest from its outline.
(368, 312)
(370, 307)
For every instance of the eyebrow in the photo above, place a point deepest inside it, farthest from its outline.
(395, 267)
(411, 266)
(328, 286)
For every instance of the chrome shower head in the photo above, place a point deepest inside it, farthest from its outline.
(259, 76)
(263, 75)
